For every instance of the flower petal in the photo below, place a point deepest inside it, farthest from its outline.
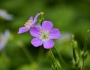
(36, 42)
(22, 30)
(35, 31)
(35, 19)
(37, 15)
(31, 18)
(48, 44)
(54, 33)
(47, 25)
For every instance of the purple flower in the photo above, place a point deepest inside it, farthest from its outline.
(44, 35)
(30, 23)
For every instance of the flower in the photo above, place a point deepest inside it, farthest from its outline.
(44, 35)
(3, 39)
(30, 23)
(5, 15)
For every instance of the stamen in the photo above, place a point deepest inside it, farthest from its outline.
(44, 35)
(29, 21)
(27, 24)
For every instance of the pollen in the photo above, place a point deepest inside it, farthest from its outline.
(27, 24)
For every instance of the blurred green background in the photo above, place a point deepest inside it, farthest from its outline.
(69, 16)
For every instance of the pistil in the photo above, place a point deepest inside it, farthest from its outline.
(44, 35)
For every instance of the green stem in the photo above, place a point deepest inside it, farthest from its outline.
(53, 59)
(85, 49)
(86, 41)
(61, 58)
(42, 17)
(52, 56)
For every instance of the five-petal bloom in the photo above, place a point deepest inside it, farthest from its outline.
(30, 23)
(44, 35)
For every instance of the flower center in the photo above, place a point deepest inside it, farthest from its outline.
(44, 35)
(27, 24)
